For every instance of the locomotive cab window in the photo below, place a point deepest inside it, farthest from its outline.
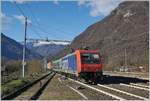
(90, 58)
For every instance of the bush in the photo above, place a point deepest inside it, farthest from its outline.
(34, 67)
(12, 66)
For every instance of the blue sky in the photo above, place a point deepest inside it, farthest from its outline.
(53, 19)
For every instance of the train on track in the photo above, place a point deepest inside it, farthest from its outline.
(86, 64)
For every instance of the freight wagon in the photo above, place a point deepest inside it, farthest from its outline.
(81, 63)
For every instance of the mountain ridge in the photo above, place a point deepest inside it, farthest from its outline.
(46, 48)
(125, 28)
(11, 49)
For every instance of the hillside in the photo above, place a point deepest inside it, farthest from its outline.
(10, 49)
(125, 28)
(46, 48)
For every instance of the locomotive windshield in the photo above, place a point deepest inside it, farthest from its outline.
(90, 58)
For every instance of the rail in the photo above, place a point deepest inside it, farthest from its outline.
(39, 92)
(22, 89)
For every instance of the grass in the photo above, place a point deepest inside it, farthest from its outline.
(12, 85)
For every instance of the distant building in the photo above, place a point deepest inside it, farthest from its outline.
(49, 65)
(129, 69)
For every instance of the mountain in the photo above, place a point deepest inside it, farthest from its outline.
(10, 49)
(124, 31)
(47, 48)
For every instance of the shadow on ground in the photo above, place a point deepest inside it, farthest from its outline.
(119, 79)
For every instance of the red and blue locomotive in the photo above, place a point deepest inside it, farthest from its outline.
(82, 63)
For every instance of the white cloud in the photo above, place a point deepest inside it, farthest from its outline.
(100, 7)
(4, 18)
(5, 21)
(21, 18)
(18, 1)
(81, 2)
(56, 2)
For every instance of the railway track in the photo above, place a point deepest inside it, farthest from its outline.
(64, 88)
(141, 85)
(123, 89)
(58, 90)
(30, 91)
(120, 91)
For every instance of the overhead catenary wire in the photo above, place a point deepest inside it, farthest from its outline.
(39, 25)
(19, 9)
(22, 12)
(44, 31)
(36, 32)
